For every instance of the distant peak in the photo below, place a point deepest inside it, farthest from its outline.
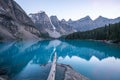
(41, 12)
(101, 18)
(63, 20)
(86, 18)
(54, 18)
(70, 20)
(117, 18)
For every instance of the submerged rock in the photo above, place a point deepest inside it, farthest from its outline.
(65, 72)
(4, 77)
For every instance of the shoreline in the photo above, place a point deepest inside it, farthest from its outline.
(107, 41)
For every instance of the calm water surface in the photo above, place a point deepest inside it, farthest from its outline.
(28, 60)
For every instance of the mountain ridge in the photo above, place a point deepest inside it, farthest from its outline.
(86, 23)
(14, 22)
(50, 26)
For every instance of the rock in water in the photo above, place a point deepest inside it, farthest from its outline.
(65, 72)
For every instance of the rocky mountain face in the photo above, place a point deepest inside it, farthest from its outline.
(50, 26)
(44, 25)
(14, 22)
(62, 26)
(87, 23)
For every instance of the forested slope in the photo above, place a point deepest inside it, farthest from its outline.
(108, 32)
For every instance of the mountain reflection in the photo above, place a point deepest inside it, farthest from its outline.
(82, 49)
(14, 56)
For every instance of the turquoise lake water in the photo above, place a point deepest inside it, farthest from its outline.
(28, 60)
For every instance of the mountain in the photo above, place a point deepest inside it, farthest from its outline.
(50, 26)
(44, 25)
(62, 26)
(83, 24)
(14, 22)
(102, 21)
(87, 23)
(108, 32)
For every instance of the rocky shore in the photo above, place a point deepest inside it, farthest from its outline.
(65, 72)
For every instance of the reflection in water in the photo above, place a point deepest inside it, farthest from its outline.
(96, 60)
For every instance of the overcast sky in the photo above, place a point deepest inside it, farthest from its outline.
(74, 9)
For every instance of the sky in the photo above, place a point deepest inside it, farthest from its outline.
(74, 9)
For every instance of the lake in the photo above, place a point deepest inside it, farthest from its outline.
(28, 60)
